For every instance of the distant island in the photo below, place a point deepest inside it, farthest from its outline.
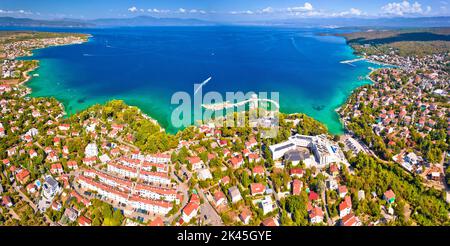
(405, 41)
(135, 21)
(145, 20)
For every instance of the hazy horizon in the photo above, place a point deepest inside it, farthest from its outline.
(228, 11)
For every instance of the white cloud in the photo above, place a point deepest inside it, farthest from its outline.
(158, 11)
(246, 12)
(197, 11)
(179, 11)
(133, 9)
(404, 8)
(352, 12)
(306, 7)
(267, 10)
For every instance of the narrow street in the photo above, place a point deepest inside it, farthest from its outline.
(13, 214)
(206, 209)
(31, 203)
(183, 203)
(324, 199)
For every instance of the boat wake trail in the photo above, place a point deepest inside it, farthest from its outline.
(295, 45)
(202, 84)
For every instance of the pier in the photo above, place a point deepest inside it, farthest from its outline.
(227, 104)
(349, 62)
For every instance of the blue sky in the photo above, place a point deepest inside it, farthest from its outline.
(222, 9)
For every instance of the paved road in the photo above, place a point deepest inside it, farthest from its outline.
(183, 187)
(13, 214)
(207, 209)
(31, 203)
(324, 199)
(275, 194)
(447, 187)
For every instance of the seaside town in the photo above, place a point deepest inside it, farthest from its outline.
(404, 115)
(19, 44)
(112, 165)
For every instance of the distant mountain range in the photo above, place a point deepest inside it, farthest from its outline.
(304, 22)
(25, 22)
(359, 22)
(136, 21)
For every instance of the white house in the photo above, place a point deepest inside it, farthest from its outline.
(189, 211)
(204, 174)
(234, 194)
(267, 205)
(91, 150)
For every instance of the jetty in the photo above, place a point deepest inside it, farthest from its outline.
(349, 62)
(254, 101)
(353, 60)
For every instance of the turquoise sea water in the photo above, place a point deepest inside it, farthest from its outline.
(145, 66)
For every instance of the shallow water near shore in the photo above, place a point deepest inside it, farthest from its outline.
(146, 66)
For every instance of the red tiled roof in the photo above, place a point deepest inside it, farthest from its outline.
(344, 205)
(316, 211)
(258, 170)
(389, 194)
(296, 186)
(348, 200)
(269, 222)
(22, 174)
(257, 188)
(218, 195)
(195, 198)
(84, 221)
(190, 208)
(235, 161)
(194, 159)
(313, 196)
(253, 156)
(342, 189)
(80, 198)
(157, 222)
(225, 180)
(158, 203)
(296, 171)
(244, 214)
(57, 166)
(102, 186)
(72, 163)
(333, 168)
(124, 183)
(161, 191)
(349, 220)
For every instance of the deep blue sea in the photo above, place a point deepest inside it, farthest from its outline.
(145, 66)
